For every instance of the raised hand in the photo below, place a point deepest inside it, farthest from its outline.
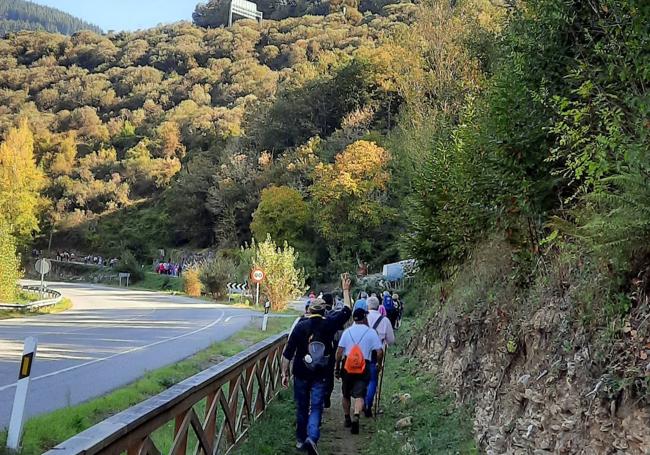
(346, 282)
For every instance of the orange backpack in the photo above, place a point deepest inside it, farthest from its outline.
(355, 362)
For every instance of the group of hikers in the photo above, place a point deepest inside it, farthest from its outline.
(94, 259)
(322, 349)
(168, 268)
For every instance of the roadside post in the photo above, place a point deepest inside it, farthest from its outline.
(257, 276)
(43, 267)
(20, 399)
(265, 320)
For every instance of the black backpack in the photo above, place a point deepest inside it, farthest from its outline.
(317, 357)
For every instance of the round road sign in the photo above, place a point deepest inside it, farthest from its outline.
(42, 266)
(257, 275)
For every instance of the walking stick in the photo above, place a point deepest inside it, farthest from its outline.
(381, 382)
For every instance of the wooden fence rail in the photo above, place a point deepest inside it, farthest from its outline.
(208, 413)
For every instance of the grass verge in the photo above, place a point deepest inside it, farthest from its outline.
(274, 433)
(46, 431)
(438, 426)
(64, 304)
(155, 282)
(23, 298)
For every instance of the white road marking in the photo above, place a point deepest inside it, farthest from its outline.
(18, 323)
(139, 348)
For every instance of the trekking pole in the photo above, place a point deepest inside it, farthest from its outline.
(381, 383)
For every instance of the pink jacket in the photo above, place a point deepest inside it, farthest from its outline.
(382, 310)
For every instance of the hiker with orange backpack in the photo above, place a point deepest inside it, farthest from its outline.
(358, 347)
(310, 346)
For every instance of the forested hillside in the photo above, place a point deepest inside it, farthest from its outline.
(18, 15)
(166, 137)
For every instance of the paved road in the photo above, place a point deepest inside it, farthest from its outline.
(109, 338)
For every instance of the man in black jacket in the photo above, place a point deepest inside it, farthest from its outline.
(310, 381)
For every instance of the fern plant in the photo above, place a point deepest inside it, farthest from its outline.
(621, 222)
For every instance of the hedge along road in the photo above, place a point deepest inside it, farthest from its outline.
(108, 339)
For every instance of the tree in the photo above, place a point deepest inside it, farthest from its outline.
(9, 264)
(20, 183)
(129, 264)
(145, 172)
(282, 214)
(349, 198)
(169, 140)
(186, 201)
(211, 14)
(87, 122)
(62, 162)
(284, 281)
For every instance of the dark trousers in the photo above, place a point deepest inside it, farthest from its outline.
(330, 378)
(309, 396)
(372, 385)
(392, 316)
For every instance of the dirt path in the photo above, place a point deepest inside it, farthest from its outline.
(335, 439)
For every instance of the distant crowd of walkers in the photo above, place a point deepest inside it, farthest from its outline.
(94, 259)
(168, 268)
(322, 349)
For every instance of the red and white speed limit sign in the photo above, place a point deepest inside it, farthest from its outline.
(257, 275)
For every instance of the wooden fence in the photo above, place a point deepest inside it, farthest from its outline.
(208, 413)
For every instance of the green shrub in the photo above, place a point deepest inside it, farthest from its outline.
(129, 264)
(284, 280)
(216, 274)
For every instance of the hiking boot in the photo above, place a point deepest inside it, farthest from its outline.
(355, 425)
(311, 448)
(367, 412)
(348, 422)
(300, 446)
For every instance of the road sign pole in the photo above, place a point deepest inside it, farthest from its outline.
(257, 276)
(18, 411)
(42, 282)
(42, 266)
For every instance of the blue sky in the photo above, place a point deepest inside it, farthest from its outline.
(126, 14)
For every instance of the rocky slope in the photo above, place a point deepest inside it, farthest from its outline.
(540, 382)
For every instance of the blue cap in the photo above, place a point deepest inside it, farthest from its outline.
(361, 303)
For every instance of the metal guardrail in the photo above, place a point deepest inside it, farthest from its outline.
(211, 411)
(54, 297)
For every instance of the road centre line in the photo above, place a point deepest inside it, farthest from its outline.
(20, 322)
(139, 348)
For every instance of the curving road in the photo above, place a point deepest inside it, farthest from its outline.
(109, 338)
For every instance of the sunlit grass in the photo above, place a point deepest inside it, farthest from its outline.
(64, 304)
(439, 426)
(155, 282)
